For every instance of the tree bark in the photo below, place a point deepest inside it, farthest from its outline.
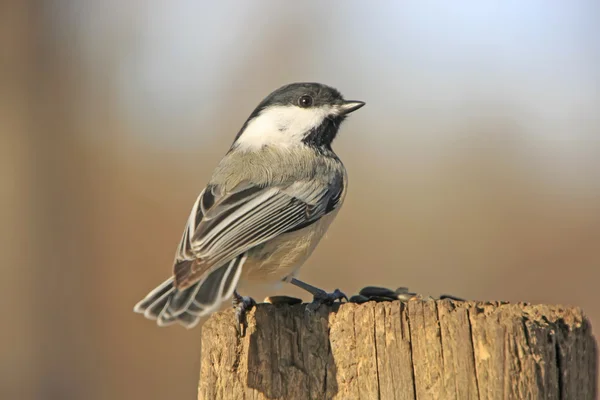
(393, 350)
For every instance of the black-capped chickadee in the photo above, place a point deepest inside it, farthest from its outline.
(267, 205)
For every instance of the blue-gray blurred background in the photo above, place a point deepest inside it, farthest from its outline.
(474, 168)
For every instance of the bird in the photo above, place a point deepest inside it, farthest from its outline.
(265, 208)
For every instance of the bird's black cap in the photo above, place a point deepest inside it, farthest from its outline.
(321, 95)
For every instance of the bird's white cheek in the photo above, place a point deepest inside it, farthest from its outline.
(302, 121)
(280, 126)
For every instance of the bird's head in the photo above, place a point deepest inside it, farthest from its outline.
(296, 114)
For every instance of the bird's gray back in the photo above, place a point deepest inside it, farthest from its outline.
(291, 165)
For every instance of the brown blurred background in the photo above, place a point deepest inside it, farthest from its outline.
(474, 167)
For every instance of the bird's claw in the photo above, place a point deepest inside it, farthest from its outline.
(322, 297)
(241, 305)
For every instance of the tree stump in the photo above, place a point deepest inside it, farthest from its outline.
(393, 350)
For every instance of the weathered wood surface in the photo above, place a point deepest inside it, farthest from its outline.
(393, 350)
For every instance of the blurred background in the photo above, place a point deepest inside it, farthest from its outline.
(474, 168)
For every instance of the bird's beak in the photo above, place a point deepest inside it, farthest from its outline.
(350, 105)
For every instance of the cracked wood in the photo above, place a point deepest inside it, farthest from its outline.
(393, 350)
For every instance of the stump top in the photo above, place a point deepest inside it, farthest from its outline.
(427, 349)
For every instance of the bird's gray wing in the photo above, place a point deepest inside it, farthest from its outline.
(224, 225)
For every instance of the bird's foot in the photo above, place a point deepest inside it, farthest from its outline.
(329, 298)
(319, 295)
(241, 305)
(322, 297)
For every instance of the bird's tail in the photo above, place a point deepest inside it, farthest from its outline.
(167, 304)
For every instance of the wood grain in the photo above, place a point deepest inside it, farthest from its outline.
(393, 350)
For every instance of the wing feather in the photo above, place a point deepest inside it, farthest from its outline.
(224, 225)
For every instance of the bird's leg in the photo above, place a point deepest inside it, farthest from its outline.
(241, 305)
(319, 295)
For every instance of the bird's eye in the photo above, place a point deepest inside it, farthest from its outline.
(305, 101)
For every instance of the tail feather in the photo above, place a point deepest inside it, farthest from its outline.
(195, 309)
(167, 304)
(155, 309)
(181, 300)
(162, 289)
